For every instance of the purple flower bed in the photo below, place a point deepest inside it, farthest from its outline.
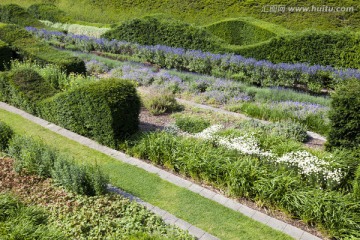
(262, 73)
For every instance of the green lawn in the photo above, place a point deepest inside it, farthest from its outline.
(205, 214)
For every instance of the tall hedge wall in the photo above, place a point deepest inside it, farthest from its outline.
(29, 47)
(5, 55)
(345, 116)
(105, 111)
(153, 31)
(340, 49)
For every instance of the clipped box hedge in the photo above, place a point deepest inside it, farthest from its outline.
(24, 88)
(106, 111)
(5, 55)
(29, 47)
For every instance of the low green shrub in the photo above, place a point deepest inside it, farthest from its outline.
(345, 116)
(192, 124)
(24, 88)
(161, 103)
(5, 55)
(79, 179)
(13, 13)
(35, 157)
(287, 129)
(151, 30)
(29, 47)
(106, 111)
(48, 11)
(6, 133)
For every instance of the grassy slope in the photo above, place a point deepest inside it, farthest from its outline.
(203, 213)
(205, 11)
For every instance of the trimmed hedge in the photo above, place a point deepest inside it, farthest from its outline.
(345, 116)
(156, 31)
(240, 32)
(339, 49)
(6, 133)
(5, 55)
(106, 111)
(13, 13)
(29, 47)
(24, 88)
(48, 11)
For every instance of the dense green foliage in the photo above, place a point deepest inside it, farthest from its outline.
(249, 176)
(48, 11)
(29, 47)
(6, 133)
(345, 116)
(35, 157)
(204, 12)
(105, 111)
(191, 124)
(18, 221)
(24, 88)
(5, 55)
(152, 31)
(13, 13)
(341, 49)
(161, 103)
(240, 31)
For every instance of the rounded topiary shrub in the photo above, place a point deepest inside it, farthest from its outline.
(345, 116)
(106, 111)
(6, 134)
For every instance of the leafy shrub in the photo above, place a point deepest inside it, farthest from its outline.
(47, 11)
(106, 111)
(5, 55)
(35, 157)
(345, 116)
(6, 133)
(32, 156)
(285, 129)
(152, 31)
(24, 88)
(29, 47)
(96, 67)
(161, 103)
(13, 13)
(82, 180)
(192, 124)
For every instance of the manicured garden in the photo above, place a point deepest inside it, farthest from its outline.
(119, 87)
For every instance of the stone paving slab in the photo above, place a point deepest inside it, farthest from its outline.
(294, 232)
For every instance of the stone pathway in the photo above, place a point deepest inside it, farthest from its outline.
(294, 232)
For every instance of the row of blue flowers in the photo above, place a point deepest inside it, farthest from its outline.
(249, 70)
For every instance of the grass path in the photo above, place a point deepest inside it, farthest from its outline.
(193, 208)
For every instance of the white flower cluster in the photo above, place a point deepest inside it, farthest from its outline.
(310, 164)
(306, 162)
(209, 132)
(246, 144)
